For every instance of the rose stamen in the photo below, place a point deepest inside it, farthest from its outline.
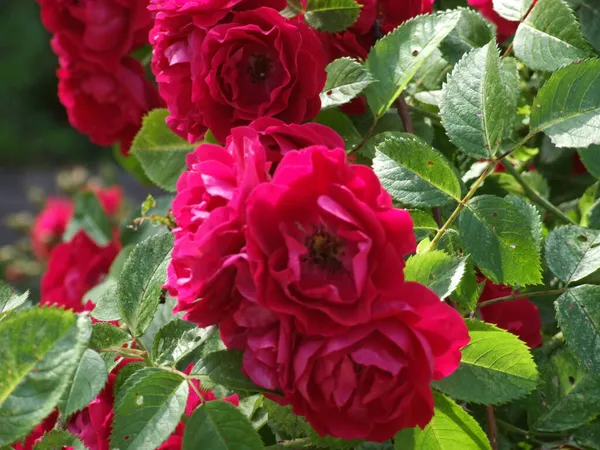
(325, 250)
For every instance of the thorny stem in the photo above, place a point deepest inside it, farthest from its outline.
(509, 298)
(511, 46)
(535, 196)
(492, 428)
(287, 445)
(131, 353)
(362, 143)
(509, 427)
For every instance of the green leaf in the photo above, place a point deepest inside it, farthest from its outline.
(11, 301)
(572, 252)
(500, 238)
(589, 17)
(346, 79)
(397, 57)
(413, 172)
(161, 152)
(88, 380)
(105, 335)
(57, 439)
(496, 367)
(589, 435)
(590, 157)
(437, 270)
(533, 217)
(133, 234)
(424, 224)
(148, 407)
(475, 108)
(472, 31)
(451, 428)
(550, 37)
(468, 291)
(39, 350)
(176, 340)
(587, 201)
(332, 16)
(578, 314)
(342, 124)
(219, 425)
(141, 280)
(567, 397)
(90, 217)
(512, 10)
(223, 368)
(104, 295)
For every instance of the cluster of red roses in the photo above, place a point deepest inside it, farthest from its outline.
(104, 90)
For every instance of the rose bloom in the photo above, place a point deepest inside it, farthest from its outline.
(321, 239)
(38, 432)
(393, 12)
(99, 31)
(253, 64)
(520, 317)
(106, 105)
(74, 268)
(51, 223)
(210, 212)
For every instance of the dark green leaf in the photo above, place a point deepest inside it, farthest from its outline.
(219, 425)
(589, 18)
(176, 340)
(468, 291)
(140, 284)
(451, 428)
(161, 152)
(496, 367)
(147, 409)
(589, 435)
(550, 37)
(437, 270)
(590, 157)
(572, 252)
(396, 58)
(424, 224)
(162, 316)
(478, 106)
(223, 368)
(57, 439)
(413, 172)
(512, 10)
(88, 380)
(90, 217)
(105, 335)
(472, 31)
(346, 79)
(39, 350)
(105, 297)
(499, 237)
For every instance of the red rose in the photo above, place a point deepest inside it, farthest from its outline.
(73, 269)
(504, 28)
(394, 12)
(105, 105)
(50, 225)
(520, 317)
(38, 432)
(99, 31)
(256, 64)
(321, 239)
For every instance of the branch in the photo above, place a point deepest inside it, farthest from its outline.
(404, 113)
(492, 429)
(362, 143)
(509, 298)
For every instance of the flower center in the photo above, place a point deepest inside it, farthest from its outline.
(259, 67)
(325, 250)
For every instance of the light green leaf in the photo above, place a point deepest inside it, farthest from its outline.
(589, 18)
(567, 396)
(148, 407)
(500, 238)
(163, 316)
(397, 57)
(104, 295)
(512, 10)
(346, 79)
(424, 224)
(223, 368)
(496, 367)
(468, 291)
(590, 157)
(332, 16)
(140, 284)
(437, 270)
(550, 37)
(578, 314)
(475, 108)
(90, 217)
(161, 152)
(176, 340)
(533, 217)
(573, 253)
(105, 335)
(39, 350)
(451, 428)
(57, 439)
(413, 172)
(219, 425)
(10, 300)
(88, 380)
(472, 31)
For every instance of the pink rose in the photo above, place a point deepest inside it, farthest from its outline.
(50, 225)
(394, 13)
(99, 31)
(321, 239)
(255, 64)
(73, 269)
(520, 317)
(105, 105)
